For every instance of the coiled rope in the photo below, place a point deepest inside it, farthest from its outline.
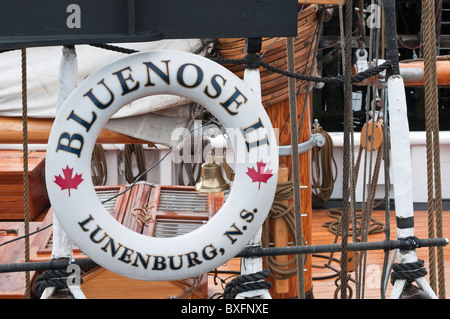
(279, 209)
(52, 278)
(138, 150)
(98, 166)
(408, 271)
(324, 168)
(246, 283)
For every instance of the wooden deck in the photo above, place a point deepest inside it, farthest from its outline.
(325, 288)
(321, 235)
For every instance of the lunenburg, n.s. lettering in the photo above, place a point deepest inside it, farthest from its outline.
(139, 259)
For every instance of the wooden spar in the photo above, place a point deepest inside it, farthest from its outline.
(39, 130)
(412, 73)
(442, 68)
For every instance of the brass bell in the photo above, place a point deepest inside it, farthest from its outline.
(211, 180)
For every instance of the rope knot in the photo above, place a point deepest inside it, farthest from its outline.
(253, 61)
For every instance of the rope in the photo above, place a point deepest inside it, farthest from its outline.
(348, 174)
(98, 166)
(115, 48)
(408, 271)
(324, 178)
(255, 61)
(371, 224)
(143, 215)
(189, 168)
(295, 165)
(283, 193)
(361, 26)
(138, 150)
(26, 196)
(246, 283)
(295, 133)
(51, 278)
(375, 227)
(432, 140)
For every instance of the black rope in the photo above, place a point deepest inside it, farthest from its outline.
(408, 271)
(114, 48)
(254, 61)
(51, 278)
(246, 283)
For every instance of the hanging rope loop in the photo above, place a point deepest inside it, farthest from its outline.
(325, 168)
(99, 166)
(138, 150)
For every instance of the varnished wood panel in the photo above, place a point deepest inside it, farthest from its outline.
(11, 185)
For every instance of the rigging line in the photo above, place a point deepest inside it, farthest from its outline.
(432, 137)
(295, 165)
(348, 172)
(313, 66)
(363, 212)
(361, 25)
(368, 200)
(26, 197)
(386, 270)
(299, 129)
(300, 259)
(24, 236)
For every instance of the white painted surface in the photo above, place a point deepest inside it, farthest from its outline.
(418, 164)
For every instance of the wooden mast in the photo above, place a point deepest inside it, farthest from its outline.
(274, 91)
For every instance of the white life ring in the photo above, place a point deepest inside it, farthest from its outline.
(89, 107)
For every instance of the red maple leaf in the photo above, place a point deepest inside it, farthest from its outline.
(260, 174)
(67, 182)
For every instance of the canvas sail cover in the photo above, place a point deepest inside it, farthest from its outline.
(43, 77)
